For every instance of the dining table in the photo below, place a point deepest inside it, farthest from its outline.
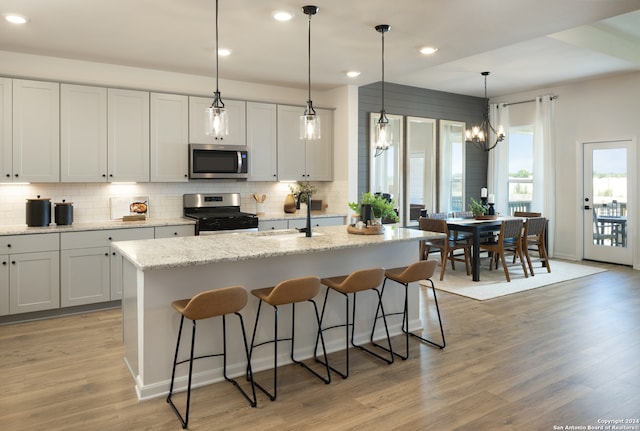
(476, 228)
(618, 225)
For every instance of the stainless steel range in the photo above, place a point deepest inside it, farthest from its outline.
(218, 213)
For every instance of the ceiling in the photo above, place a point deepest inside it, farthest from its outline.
(526, 44)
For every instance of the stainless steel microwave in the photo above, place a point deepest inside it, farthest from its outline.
(208, 161)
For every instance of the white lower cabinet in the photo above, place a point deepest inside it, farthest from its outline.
(175, 231)
(86, 268)
(30, 273)
(300, 223)
(85, 276)
(272, 225)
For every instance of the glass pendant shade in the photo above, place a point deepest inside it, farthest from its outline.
(310, 125)
(216, 122)
(383, 134)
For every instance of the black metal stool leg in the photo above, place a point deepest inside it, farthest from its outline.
(435, 299)
(384, 319)
(183, 420)
(252, 400)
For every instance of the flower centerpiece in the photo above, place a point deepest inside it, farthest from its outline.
(304, 188)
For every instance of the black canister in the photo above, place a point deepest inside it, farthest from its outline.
(38, 211)
(63, 213)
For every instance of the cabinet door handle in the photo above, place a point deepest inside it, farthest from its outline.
(109, 238)
(4, 263)
(13, 262)
(106, 254)
(16, 175)
(8, 245)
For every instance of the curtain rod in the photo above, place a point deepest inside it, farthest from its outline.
(527, 101)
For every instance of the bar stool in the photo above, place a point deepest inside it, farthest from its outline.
(205, 305)
(421, 270)
(358, 281)
(287, 292)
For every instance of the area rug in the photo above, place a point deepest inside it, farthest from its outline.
(493, 284)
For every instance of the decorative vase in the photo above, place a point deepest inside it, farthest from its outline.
(289, 204)
(366, 213)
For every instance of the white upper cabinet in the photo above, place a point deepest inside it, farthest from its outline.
(128, 135)
(262, 129)
(237, 122)
(169, 138)
(83, 133)
(300, 160)
(36, 131)
(6, 144)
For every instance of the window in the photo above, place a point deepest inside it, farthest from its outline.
(520, 168)
(452, 166)
(421, 173)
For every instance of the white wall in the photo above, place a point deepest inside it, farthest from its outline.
(91, 201)
(594, 110)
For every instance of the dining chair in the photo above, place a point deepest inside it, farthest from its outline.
(447, 246)
(510, 237)
(533, 239)
(603, 231)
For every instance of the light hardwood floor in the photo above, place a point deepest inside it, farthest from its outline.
(565, 354)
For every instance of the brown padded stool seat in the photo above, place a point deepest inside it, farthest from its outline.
(205, 305)
(291, 292)
(212, 303)
(357, 281)
(421, 270)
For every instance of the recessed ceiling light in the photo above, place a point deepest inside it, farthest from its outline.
(282, 15)
(353, 73)
(223, 52)
(428, 50)
(15, 19)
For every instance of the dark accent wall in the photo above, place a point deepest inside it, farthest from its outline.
(421, 102)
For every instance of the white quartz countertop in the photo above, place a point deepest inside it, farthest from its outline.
(107, 224)
(202, 250)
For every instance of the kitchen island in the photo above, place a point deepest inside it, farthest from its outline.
(157, 272)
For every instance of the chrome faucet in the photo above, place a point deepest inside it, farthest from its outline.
(306, 230)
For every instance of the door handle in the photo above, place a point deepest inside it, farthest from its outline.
(587, 207)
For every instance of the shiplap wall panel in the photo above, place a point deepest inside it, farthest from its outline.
(420, 102)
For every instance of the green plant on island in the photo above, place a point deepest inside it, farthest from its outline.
(381, 207)
(477, 208)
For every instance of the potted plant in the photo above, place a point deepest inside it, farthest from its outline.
(478, 209)
(380, 207)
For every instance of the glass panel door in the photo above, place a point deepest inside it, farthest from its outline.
(608, 207)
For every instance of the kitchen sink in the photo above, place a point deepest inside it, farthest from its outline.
(284, 234)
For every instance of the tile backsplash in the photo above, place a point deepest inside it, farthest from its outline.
(91, 201)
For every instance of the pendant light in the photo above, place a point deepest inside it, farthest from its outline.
(309, 121)
(479, 135)
(216, 120)
(383, 132)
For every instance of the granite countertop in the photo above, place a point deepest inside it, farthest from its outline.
(107, 224)
(202, 250)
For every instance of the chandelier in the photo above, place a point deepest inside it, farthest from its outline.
(479, 135)
(383, 132)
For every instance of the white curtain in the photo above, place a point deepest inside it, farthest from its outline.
(498, 168)
(544, 167)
